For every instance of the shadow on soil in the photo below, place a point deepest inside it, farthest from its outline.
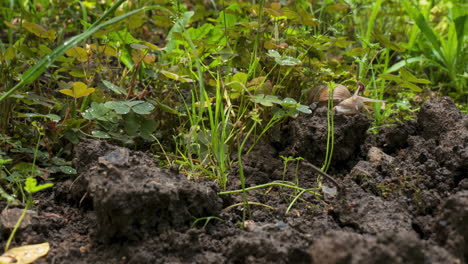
(405, 200)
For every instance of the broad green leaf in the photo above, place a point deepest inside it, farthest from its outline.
(282, 59)
(288, 61)
(228, 18)
(357, 52)
(147, 127)
(136, 20)
(411, 86)
(398, 65)
(31, 186)
(67, 170)
(100, 134)
(200, 32)
(25, 168)
(342, 42)
(238, 81)
(266, 100)
(116, 89)
(260, 99)
(407, 76)
(178, 27)
(390, 77)
(131, 124)
(118, 106)
(274, 54)
(99, 112)
(132, 103)
(289, 101)
(79, 90)
(304, 109)
(143, 108)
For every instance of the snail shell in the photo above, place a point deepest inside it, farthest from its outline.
(346, 103)
(340, 93)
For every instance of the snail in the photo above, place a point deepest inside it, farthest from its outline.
(346, 103)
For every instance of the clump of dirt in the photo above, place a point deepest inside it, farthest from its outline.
(131, 193)
(308, 137)
(367, 213)
(452, 224)
(388, 247)
(405, 200)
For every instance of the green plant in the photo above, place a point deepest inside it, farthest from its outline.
(3, 172)
(286, 160)
(114, 116)
(30, 186)
(286, 107)
(330, 131)
(444, 51)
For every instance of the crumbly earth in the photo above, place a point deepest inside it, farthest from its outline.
(404, 199)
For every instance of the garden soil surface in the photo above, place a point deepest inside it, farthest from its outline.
(401, 196)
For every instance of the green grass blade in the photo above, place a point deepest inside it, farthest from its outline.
(425, 28)
(395, 67)
(460, 23)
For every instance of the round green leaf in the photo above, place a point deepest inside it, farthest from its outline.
(100, 134)
(118, 106)
(143, 108)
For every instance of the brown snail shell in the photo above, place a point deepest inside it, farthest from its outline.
(340, 93)
(346, 103)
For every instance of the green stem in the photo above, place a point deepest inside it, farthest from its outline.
(17, 225)
(269, 185)
(241, 174)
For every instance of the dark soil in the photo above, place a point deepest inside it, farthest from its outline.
(404, 199)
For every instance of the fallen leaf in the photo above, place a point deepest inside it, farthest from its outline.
(25, 254)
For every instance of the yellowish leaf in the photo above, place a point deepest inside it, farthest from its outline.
(39, 30)
(25, 254)
(107, 50)
(151, 46)
(136, 20)
(79, 90)
(176, 77)
(10, 25)
(10, 53)
(77, 52)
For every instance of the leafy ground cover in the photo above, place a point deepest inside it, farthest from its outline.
(220, 131)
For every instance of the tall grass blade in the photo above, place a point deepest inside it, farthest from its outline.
(423, 25)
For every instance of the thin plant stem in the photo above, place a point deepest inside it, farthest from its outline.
(269, 185)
